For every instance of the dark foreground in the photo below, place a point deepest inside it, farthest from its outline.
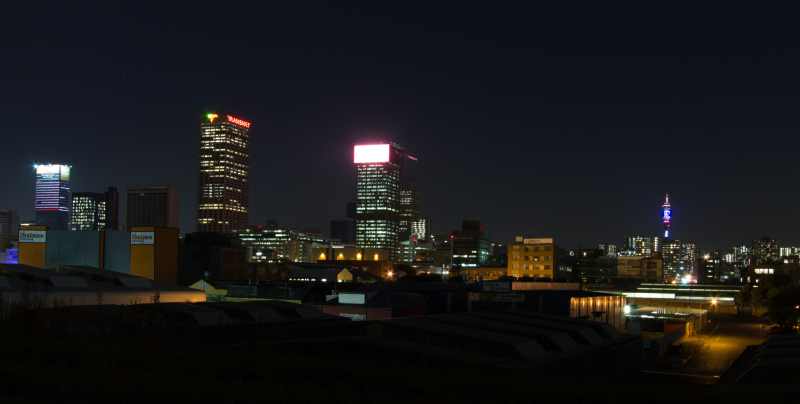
(322, 359)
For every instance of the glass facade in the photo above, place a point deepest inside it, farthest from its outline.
(224, 170)
(53, 195)
(377, 206)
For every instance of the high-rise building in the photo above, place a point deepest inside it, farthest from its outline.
(379, 174)
(53, 195)
(95, 211)
(532, 257)
(421, 228)
(9, 222)
(710, 267)
(666, 217)
(640, 245)
(152, 206)
(680, 261)
(224, 170)
(471, 245)
(765, 251)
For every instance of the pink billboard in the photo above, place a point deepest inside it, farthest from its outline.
(371, 153)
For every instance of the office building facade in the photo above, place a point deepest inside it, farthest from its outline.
(152, 206)
(765, 251)
(641, 245)
(95, 211)
(379, 173)
(224, 174)
(276, 243)
(680, 261)
(53, 195)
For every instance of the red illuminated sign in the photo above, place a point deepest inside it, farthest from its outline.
(236, 121)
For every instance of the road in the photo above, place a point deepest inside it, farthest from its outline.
(713, 351)
(721, 344)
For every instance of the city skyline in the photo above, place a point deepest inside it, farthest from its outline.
(598, 140)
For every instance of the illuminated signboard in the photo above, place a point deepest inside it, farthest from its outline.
(211, 117)
(538, 241)
(236, 121)
(371, 153)
(142, 237)
(32, 236)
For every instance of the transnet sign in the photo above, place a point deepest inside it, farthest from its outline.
(371, 153)
(236, 121)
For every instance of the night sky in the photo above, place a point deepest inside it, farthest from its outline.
(573, 126)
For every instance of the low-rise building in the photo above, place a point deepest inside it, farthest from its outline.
(649, 269)
(532, 258)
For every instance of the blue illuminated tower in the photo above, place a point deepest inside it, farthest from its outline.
(666, 217)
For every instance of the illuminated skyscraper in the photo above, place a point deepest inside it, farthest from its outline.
(53, 195)
(224, 167)
(95, 211)
(666, 217)
(379, 174)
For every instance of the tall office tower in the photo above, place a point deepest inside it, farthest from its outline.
(152, 206)
(680, 261)
(379, 169)
(224, 167)
(95, 211)
(9, 222)
(53, 195)
(666, 217)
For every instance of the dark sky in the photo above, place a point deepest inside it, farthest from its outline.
(571, 123)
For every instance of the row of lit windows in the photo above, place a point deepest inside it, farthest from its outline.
(531, 257)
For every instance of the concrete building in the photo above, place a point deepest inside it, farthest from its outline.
(471, 247)
(9, 223)
(532, 257)
(224, 173)
(152, 206)
(649, 269)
